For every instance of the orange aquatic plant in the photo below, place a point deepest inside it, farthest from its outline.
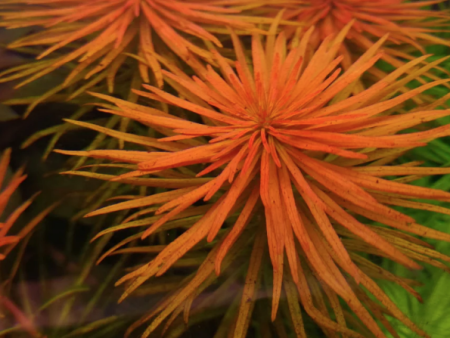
(410, 25)
(406, 22)
(4, 198)
(288, 135)
(7, 241)
(97, 35)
